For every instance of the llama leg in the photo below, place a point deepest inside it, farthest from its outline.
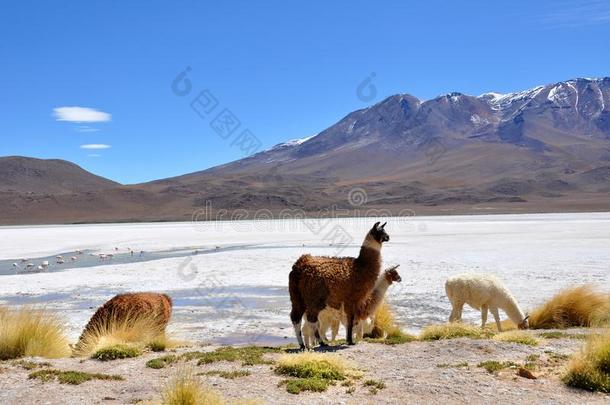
(494, 312)
(312, 318)
(350, 328)
(360, 329)
(335, 329)
(296, 315)
(456, 312)
(484, 309)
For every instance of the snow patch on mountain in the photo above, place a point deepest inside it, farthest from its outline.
(292, 142)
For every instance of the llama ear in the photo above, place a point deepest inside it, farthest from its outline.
(526, 318)
(376, 226)
(383, 226)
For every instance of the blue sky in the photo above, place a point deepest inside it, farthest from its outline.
(284, 70)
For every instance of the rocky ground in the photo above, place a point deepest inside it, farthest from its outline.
(418, 372)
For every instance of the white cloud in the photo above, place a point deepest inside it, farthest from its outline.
(80, 114)
(95, 146)
(86, 128)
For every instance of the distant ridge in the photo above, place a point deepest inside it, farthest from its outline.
(545, 149)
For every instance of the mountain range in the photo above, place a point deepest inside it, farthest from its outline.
(546, 149)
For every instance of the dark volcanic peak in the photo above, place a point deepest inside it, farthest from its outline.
(52, 176)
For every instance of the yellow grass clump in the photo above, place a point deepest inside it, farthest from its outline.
(32, 332)
(186, 389)
(386, 329)
(517, 336)
(507, 325)
(579, 306)
(135, 330)
(589, 369)
(451, 330)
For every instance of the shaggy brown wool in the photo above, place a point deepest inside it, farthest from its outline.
(123, 306)
(316, 282)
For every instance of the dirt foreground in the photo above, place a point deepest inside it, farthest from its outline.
(416, 372)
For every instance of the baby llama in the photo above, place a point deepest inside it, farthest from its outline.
(331, 318)
(483, 292)
(318, 282)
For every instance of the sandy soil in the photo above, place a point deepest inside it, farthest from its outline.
(417, 372)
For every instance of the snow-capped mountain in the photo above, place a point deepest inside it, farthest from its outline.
(542, 149)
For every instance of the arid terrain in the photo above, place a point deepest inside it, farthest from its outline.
(445, 371)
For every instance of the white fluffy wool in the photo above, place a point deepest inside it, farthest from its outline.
(483, 292)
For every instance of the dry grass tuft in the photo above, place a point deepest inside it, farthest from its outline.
(507, 325)
(580, 306)
(136, 330)
(28, 332)
(590, 368)
(185, 389)
(386, 330)
(451, 331)
(517, 336)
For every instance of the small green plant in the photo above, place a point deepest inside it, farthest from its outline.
(554, 335)
(230, 375)
(457, 365)
(451, 331)
(248, 355)
(71, 377)
(31, 365)
(296, 386)
(557, 356)
(517, 336)
(374, 385)
(532, 357)
(161, 362)
(493, 366)
(395, 337)
(115, 352)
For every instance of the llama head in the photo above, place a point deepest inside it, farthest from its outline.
(378, 233)
(524, 323)
(392, 276)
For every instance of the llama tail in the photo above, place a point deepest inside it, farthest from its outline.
(298, 304)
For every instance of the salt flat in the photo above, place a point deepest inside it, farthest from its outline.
(234, 288)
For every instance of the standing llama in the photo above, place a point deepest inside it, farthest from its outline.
(316, 282)
(331, 318)
(483, 292)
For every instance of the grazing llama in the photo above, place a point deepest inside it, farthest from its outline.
(318, 282)
(157, 307)
(483, 292)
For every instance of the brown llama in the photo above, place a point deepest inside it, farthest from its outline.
(157, 307)
(316, 282)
